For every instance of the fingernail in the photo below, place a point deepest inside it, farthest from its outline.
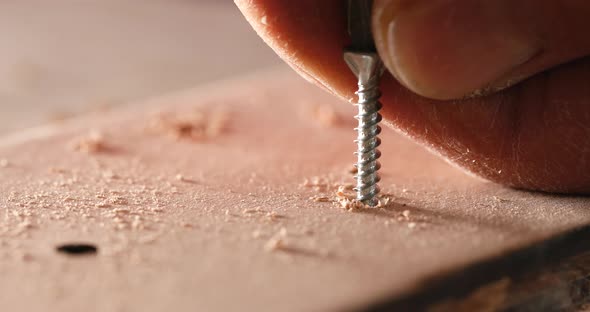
(448, 49)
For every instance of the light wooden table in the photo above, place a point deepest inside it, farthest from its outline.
(248, 217)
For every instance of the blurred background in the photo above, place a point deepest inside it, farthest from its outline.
(62, 58)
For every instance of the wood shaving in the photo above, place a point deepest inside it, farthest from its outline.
(384, 201)
(182, 178)
(197, 125)
(252, 210)
(118, 200)
(102, 205)
(121, 211)
(352, 204)
(321, 199)
(346, 197)
(273, 216)
(501, 200)
(92, 143)
(348, 201)
(277, 242)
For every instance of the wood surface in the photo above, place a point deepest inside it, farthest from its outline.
(225, 198)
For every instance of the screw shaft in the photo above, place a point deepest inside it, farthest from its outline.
(368, 141)
(367, 67)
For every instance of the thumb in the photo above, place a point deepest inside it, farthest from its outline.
(448, 49)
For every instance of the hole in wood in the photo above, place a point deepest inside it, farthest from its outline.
(77, 249)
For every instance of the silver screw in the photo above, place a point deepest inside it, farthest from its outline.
(366, 65)
(368, 68)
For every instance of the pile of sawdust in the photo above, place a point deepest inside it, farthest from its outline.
(344, 194)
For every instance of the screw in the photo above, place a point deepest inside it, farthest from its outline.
(366, 65)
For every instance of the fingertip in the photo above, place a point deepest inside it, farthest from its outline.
(444, 49)
(309, 36)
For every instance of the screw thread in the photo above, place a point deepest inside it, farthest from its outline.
(368, 141)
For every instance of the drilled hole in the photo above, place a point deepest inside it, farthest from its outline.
(77, 249)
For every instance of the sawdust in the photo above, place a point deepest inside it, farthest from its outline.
(344, 194)
(273, 216)
(92, 143)
(501, 200)
(118, 200)
(346, 198)
(182, 178)
(197, 125)
(351, 204)
(131, 209)
(252, 210)
(277, 242)
(321, 199)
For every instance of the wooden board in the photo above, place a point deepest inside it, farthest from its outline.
(225, 198)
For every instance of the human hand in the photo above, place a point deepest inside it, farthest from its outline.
(501, 88)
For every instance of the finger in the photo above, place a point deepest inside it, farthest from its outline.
(448, 49)
(532, 136)
(308, 35)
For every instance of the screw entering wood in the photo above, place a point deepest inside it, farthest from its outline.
(366, 65)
